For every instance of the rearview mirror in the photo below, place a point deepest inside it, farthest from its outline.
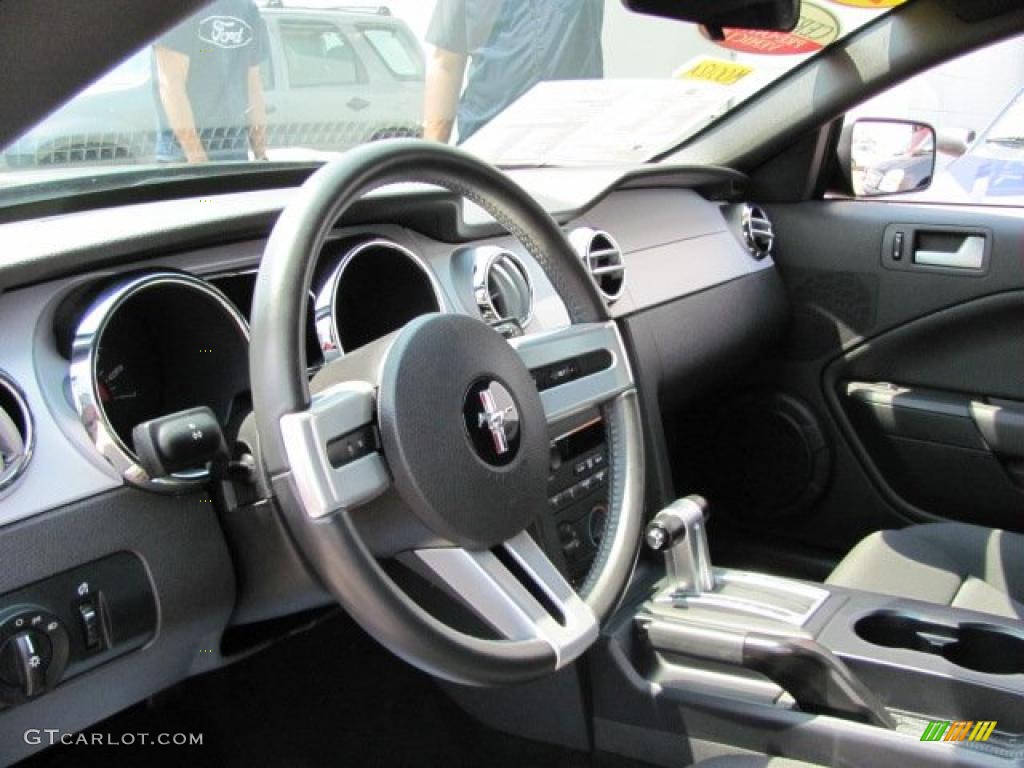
(778, 15)
(887, 157)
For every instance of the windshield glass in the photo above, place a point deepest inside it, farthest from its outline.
(520, 82)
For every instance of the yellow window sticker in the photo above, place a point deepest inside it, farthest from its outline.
(717, 71)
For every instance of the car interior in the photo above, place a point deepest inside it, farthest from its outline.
(407, 459)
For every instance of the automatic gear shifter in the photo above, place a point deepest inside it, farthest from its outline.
(741, 619)
(679, 531)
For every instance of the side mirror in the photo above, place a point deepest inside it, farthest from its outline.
(887, 157)
(955, 142)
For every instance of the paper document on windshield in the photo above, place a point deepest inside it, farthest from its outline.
(597, 122)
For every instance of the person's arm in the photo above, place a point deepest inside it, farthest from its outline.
(257, 114)
(172, 77)
(445, 71)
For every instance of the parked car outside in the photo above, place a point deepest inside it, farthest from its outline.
(334, 79)
(992, 170)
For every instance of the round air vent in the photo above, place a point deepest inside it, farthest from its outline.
(603, 259)
(16, 438)
(758, 234)
(502, 287)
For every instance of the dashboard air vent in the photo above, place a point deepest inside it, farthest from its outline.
(15, 433)
(603, 259)
(502, 287)
(758, 234)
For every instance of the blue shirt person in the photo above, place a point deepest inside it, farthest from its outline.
(510, 46)
(209, 94)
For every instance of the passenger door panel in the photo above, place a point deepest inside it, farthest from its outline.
(916, 365)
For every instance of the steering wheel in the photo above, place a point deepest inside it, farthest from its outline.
(461, 465)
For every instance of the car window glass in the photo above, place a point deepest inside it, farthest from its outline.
(136, 70)
(396, 53)
(975, 103)
(267, 74)
(318, 54)
(519, 84)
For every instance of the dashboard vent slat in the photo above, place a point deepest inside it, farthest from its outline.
(758, 233)
(602, 257)
(502, 287)
(16, 437)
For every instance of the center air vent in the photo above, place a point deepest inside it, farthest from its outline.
(502, 287)
(15, 433)
(603, 259)
(758, 235)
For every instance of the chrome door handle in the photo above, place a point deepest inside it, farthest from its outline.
(970, 255)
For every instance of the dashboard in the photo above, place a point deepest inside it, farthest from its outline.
(109, 320)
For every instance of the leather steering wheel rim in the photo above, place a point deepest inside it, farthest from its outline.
(332, 544)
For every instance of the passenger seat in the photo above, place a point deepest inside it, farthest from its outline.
(955, 564)
(751, 761)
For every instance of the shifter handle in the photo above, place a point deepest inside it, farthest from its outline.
(679, 532)
(669, 525)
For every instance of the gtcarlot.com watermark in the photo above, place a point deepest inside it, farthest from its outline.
(51, 737)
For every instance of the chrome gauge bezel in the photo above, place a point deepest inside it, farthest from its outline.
(85, 382)
(325, 317)
(9, 477)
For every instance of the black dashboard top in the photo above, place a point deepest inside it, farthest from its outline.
(71, 242)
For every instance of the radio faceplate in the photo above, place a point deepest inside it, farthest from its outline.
(578, 495)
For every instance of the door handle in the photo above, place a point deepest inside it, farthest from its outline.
(950, 250)
(970, 255)
(356, 103)
(1001, 423)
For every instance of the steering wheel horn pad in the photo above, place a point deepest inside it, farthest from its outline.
(429, 401)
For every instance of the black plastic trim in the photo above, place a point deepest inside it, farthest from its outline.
(182, 548)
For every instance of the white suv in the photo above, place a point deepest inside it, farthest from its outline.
(334, 79)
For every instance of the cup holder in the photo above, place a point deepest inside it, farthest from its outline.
(985, 648)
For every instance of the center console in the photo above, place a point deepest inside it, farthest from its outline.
(785, 667)
(578, 495)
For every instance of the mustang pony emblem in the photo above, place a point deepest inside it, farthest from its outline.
(493, 417)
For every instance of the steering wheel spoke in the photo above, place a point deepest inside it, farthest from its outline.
(333, 451)
(519, 592)
(576, 368)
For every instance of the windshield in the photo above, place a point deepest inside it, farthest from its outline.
(519, 82)
(1008, 128)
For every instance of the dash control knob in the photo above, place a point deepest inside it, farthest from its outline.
(33, 653)
(24, 661)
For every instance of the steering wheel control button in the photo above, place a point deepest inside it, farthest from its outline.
(492, 422)
(352, 447)
(563, 372)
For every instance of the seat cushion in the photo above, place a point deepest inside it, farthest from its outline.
(751, 761)
(965, 566)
